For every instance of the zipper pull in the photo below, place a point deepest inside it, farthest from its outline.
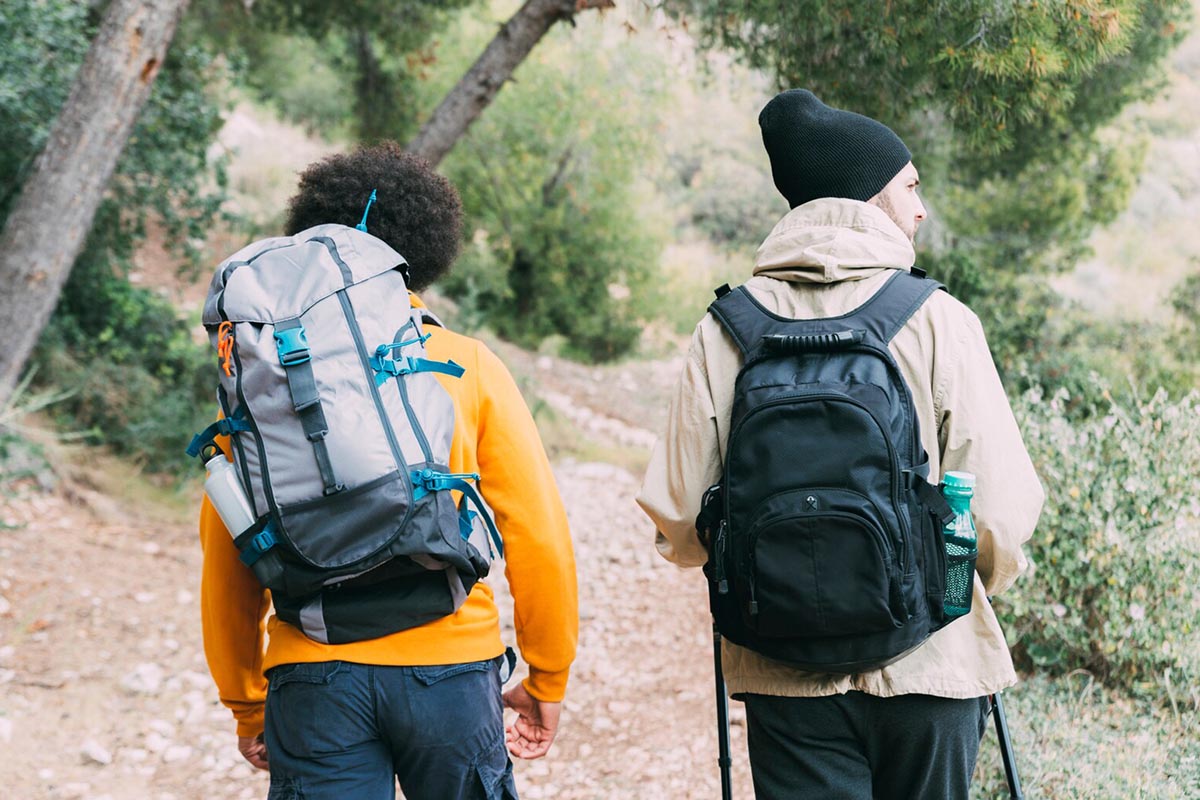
(753, 602)
(719, 555)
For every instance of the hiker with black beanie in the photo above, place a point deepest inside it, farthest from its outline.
(829, 713)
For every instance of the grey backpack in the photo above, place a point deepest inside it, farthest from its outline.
(341, 437)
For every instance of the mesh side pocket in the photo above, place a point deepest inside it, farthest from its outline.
(960, 575)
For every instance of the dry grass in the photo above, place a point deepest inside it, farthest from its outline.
(1074, 739)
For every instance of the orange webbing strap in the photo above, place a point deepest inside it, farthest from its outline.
(225, 346)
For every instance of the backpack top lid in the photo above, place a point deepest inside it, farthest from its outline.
(282, 277)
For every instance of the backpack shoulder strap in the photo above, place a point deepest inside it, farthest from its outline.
(893, 305)
(427, 317)
(742, 317)
(747, 321)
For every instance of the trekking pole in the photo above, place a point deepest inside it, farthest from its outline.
(723, 759)
(1006, 751)
(1005, 741)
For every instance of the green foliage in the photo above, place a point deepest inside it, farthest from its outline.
(310, 91)
(563, 244)
(1003, 105)
(122, 351)
(1117, 553)
(1039, 217)
(138, 381)
(1003, 76)
(21, 458)
(1185, 299)
(716, 179)
(53, 35)
(350, 70)
(1038, 339)
(730, 202)
(166, 172)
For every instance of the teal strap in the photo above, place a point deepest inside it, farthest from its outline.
(426, 481)
(259, 544)
(466, 520)
(222, 427)
(469, 493)
(386, 368)
(443, 367)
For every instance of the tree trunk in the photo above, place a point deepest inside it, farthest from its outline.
(51, 219)
(483, 80)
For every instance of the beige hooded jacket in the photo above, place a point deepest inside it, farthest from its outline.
(823, 259)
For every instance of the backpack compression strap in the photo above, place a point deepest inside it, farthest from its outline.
(428, 480)
(292, 345)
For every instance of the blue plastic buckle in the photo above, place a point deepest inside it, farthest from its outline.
(292, 344)
(262, 541)
(385, 369)
(435, 481)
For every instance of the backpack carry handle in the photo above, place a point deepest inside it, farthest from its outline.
(812, 342)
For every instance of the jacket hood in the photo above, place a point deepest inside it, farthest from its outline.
(833, 239)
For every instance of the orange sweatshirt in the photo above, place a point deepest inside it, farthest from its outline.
(494, 436)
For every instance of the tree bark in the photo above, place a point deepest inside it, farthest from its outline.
(53, 214)
(478, 87)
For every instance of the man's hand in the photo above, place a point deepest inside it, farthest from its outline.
(253, 750)
(532, 732)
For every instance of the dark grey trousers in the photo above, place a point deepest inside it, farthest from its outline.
(859, 747)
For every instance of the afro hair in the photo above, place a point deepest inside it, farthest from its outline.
(416, 211)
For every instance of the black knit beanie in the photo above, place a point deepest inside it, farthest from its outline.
(818, 151)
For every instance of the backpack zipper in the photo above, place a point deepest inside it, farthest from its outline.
(889, 550)
(356, 333)
(889, 361)
(413, 422)
(894, 459)
(719, 556)
(268, 493)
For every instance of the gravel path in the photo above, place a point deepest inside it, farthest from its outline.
(104, 692)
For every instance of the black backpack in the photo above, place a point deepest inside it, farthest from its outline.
(824, 535)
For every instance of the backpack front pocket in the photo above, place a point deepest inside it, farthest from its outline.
(822, 573)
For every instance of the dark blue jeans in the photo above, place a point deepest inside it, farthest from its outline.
(342, 730)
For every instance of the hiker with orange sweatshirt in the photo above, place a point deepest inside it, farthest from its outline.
(328, 712)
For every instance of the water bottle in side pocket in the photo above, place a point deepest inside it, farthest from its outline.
(961, 543)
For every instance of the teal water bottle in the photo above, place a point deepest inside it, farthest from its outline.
(961, 546)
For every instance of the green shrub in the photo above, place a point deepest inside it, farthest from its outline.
(564, 238)
(300, 79)
(733, 203)
(138, 380)
(1116, 555)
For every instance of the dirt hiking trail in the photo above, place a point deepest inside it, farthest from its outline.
(104, 691)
